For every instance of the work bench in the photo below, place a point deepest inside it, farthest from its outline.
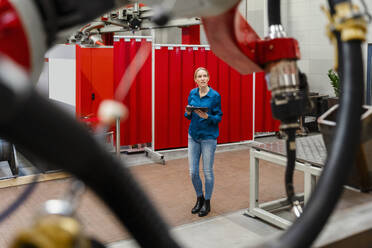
(311, 154)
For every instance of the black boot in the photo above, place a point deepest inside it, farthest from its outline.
(198, 205)
(205, 209)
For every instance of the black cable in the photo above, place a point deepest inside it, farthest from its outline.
(38, 126)
(291, 163)
(96, 244)
(335, 2)
(274, 12)
(331, 7)
(58, 15)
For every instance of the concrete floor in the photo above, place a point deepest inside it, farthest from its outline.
(228, 230)
(237, 230)
(232, 229)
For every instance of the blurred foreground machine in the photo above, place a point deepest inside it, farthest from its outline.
(361, 174)
(29, 27)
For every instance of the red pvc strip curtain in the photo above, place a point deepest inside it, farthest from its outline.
(94, 79)
(174, 72)
(137, 128)
(264, 122)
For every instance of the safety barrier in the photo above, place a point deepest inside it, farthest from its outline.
(158, 95)
(137, 128)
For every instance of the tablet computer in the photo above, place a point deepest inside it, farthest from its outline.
(192, 108)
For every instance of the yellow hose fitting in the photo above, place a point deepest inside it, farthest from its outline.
(52, 231)
(350, 22)
(330, 29)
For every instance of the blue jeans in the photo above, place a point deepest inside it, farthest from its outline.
(206, 148)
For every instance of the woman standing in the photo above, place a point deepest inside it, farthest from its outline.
(202, 138)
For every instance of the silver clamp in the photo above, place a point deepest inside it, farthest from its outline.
(297, 209)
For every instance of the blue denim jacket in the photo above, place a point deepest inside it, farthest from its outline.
(205, 128)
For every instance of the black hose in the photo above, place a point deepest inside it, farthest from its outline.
(291, 163)
(340, 160)
(274, 12)
(33, 123)
(331, 7)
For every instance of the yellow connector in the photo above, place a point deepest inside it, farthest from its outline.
(349, 22)
(330, 28)
(52, 231)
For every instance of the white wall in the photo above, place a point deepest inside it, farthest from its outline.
(306, 22)
(43, 82)
(62, 74)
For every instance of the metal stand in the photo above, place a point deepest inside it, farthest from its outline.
(159, 158)
(264, 211)
(8, 153)
(13, 162)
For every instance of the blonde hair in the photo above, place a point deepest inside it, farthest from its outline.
(199, 69)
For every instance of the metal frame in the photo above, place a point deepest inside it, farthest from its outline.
(369, 74)
(264, 211)
(254, 106)
(150, 152)
(118, 37)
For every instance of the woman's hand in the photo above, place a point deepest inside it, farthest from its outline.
(187, 112)
(201, 114)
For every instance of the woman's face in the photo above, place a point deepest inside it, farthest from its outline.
(202, 78)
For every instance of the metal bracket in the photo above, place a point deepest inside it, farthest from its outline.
(156, 156)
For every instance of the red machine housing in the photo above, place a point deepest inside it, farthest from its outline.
(263, 52)
(13, 39)
(241, 47)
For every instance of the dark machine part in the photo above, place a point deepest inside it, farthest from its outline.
(319, 104)
(289, 100)
(161, 16)
(58, 15)
(8, 153)
(5, 150)
(163, 12)
(134, 23)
